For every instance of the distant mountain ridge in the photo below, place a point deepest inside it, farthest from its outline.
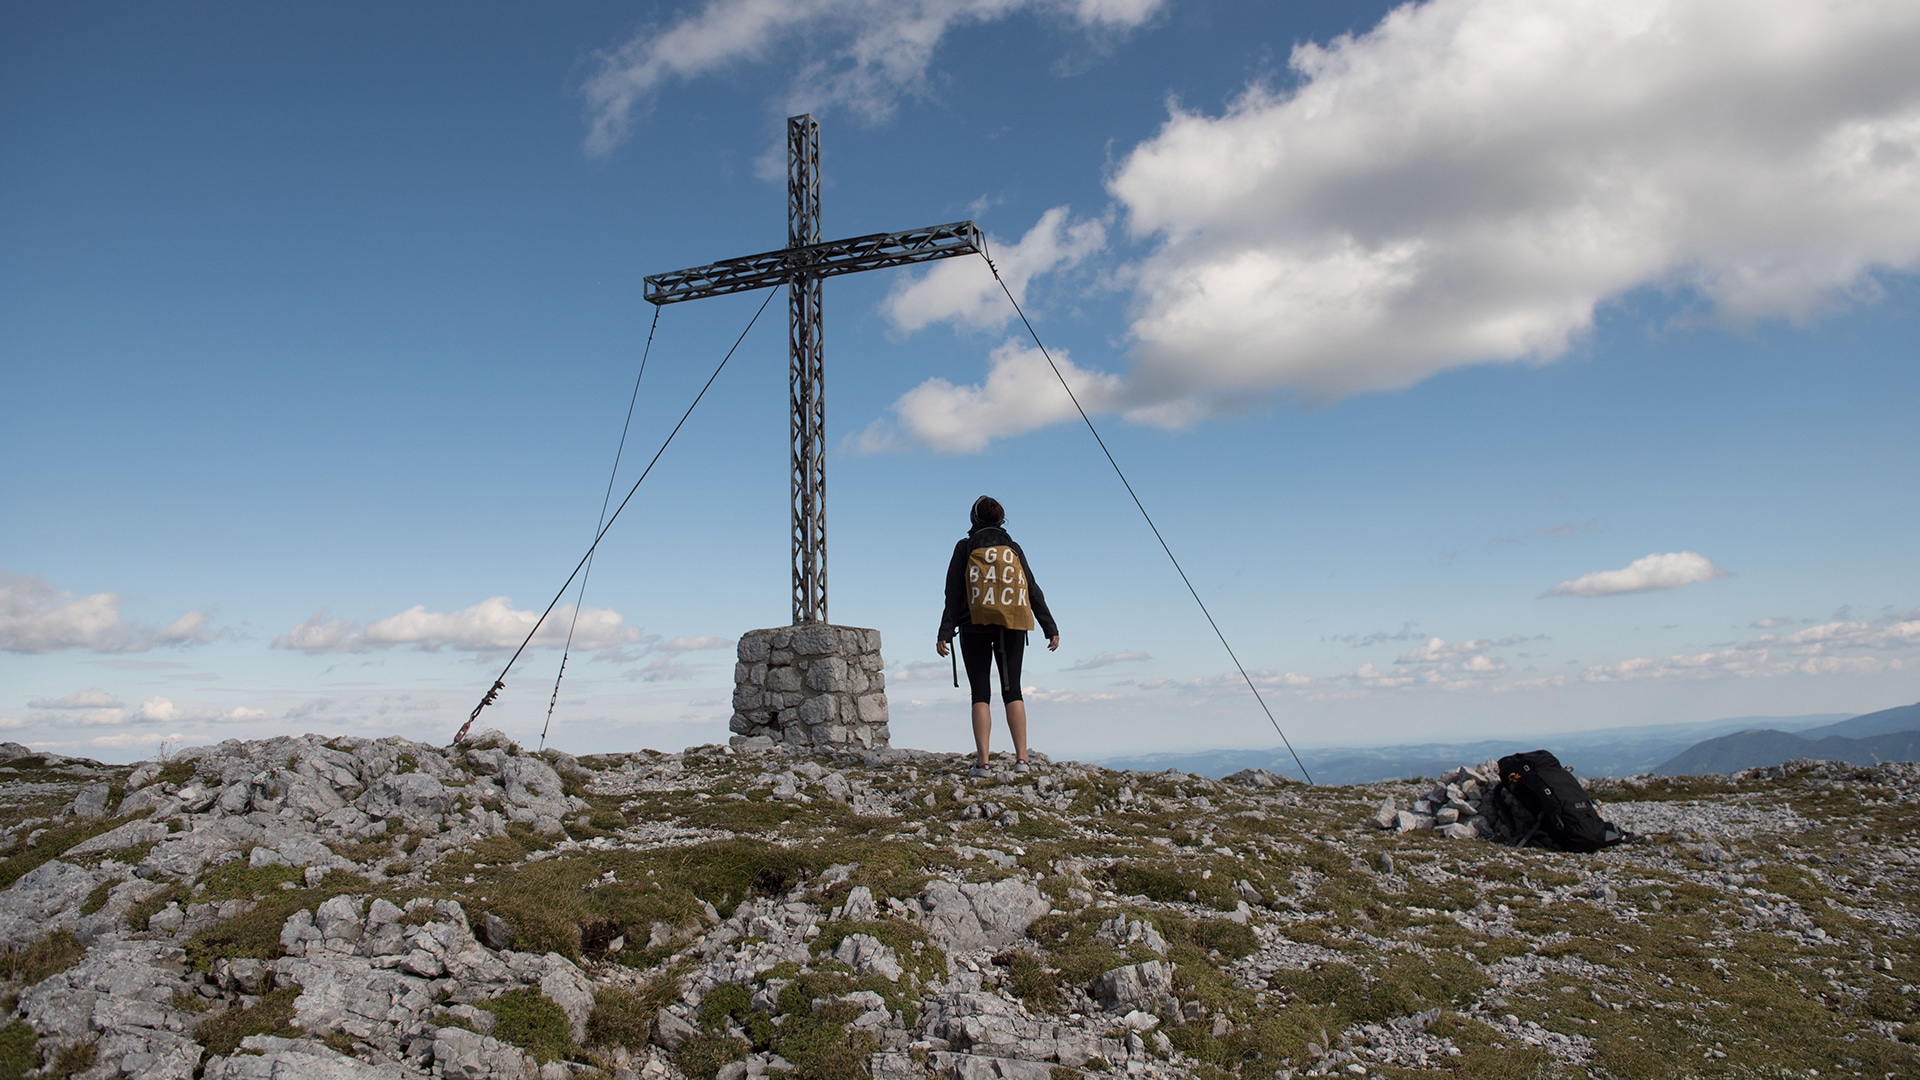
(1887, 735)
(1626, 751)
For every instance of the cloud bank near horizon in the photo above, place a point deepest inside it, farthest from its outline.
(36, 617)
(491, 625)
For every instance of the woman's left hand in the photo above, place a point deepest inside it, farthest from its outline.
(1053, 643)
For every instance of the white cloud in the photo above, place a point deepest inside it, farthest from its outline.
(1108, 659)
(695, 644)
(1378, 637)
(79, 699)
(1468, 180)
(157, 710)
(1843, 646)
(1899, 632)
(136, 738)
(1670, 570)
(864, 55)
(319, 634)
(1839, 647)
(154, 710)
(662, 668)
(1021, 393)
(35, 617)
(666, 664)
(963, 291)
(1065, 697)
(491, 625)
(160, 710)
(921, 670)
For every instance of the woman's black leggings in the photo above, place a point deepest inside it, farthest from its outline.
(978, 646)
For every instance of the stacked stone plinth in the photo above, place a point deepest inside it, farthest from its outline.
(816, 685)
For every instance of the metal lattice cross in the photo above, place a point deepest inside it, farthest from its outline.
(802, 266)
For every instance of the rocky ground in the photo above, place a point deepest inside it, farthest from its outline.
(344, 908)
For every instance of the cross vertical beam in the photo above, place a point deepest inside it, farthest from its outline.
(802, 266)
(807, 378)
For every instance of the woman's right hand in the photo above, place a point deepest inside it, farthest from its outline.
(940, 646)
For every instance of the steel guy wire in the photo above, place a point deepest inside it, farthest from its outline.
(1071, 396)
(500, 683)
(606, 500)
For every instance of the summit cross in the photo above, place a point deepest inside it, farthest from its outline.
(802, 266)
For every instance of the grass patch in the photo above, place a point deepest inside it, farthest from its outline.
(1172, 885)
(529, 1021)
(1069, 947)
(52, 844)
(704, 1054)
(17, 1053)
(71, 1060)
(256, 934)
(741, 815)
(1228, 938)
(620, 1018)
(561, 905)
(272, 1015)
(177, 773)
(360, 851)
(1031, 982)
(818, 1042)
(237, 881)
(43, 959)
(568, 905)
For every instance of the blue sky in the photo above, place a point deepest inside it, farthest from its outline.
(1493, 368)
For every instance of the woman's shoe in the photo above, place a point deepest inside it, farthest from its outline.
(978, 771)
(1021, 766)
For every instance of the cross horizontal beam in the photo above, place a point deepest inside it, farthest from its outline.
(831, 259)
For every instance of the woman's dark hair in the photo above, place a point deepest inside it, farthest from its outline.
(987, 511)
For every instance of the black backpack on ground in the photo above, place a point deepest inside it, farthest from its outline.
(1537, 801)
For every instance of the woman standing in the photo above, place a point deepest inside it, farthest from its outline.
(993, 600)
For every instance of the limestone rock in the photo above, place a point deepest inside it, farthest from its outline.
(459, 1054)
(121, 992)
(45, 898)
(267, 1057)
(671, 1031)
(92, 801)
(412, 797)
(1121, 932)
(981, 916)
(859, 906)
(568, 987)
(1147, 985)
(867, 955)
(129, 835)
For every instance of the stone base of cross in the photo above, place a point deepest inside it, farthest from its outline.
(816, 685)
